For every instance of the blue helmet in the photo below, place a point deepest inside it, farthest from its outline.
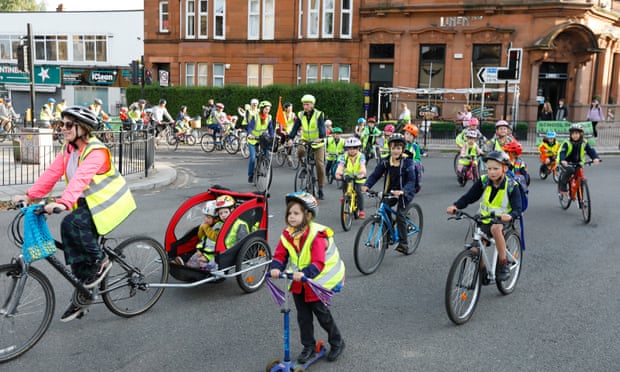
(361, 121)
(550, 134)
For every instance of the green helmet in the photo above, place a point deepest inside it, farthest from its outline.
(308, 98)
(337, 130)
(263, 104)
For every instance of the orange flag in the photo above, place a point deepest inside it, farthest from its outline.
(280, 117)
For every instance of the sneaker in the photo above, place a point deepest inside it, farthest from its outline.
(179, 261)
(104, 267)
(503, 272)
(73, 312)
(362, 215)
(321, 195)
(335, 351)
(402, 249)
(306, 354)
(250, 179)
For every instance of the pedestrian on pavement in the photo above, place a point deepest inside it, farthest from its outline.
(595, 115)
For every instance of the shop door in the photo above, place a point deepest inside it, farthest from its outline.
(552, 82)
(381, 75)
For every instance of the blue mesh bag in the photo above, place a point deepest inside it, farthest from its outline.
(38, 241)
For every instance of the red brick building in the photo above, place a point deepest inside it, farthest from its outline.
(570, 48)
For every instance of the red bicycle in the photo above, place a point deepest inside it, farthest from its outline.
(578, 191)
(470, 172)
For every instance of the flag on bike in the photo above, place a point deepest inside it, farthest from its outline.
(280, 117)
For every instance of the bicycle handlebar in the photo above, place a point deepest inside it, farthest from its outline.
(459, 214)
(380, 195)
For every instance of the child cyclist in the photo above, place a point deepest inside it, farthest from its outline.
(353, 164)
(413, 151)
(502, 136)
(548, 149)
(461, 138)
(308, 249)
(572, 152)
(517, 165)
(469, 151)
(333, 149)
(383, 143)
(498, 197)
(399, 180)
(204, 256)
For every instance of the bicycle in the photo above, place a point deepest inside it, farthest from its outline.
(262, 166)
(380, 231)
(469, 172)
(467, 273)
(348, 205)
(287, 154)
(371, 150)
(27, 299)
(8, 134)
(227, 141)
(243, 143)
(187, 137)
(551, 168)
(306, 178)
(578, 191)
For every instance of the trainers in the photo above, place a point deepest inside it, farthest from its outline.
(250, 179)
(503, 272)
(402, 249)
(335, 351)
(104, 267)
(321, 195)
(179, 261)
(306, 354)
(73, 312)
(362, 215)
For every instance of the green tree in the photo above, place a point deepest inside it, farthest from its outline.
(21, 5)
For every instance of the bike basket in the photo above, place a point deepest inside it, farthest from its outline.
(38, 241)
(265, 141)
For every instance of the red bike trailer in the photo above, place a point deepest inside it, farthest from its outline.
(248, 260)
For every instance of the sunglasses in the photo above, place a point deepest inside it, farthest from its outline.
(68, 124)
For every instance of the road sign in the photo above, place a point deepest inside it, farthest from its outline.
(488, 75)
(499, 75)
(164, 78)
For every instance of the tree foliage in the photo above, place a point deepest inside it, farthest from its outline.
(21, 5)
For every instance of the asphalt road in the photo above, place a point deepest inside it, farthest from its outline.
(562, 316)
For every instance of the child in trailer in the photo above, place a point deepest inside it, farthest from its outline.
(204, 257)
(308, 249)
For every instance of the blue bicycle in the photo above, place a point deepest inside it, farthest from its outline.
(380, 231)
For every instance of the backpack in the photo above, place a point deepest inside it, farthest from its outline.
(521, 183)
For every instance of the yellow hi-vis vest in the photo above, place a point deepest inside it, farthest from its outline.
(334, 149)
(309, 129)
(582, 150)
(352, 167)
(333, 272)
(259, 128)
(501, 202)
(107, 196)
(231, 238)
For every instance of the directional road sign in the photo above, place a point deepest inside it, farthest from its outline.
(509, 74)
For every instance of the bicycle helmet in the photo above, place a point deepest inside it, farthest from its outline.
(264, 104)
(308, 98)
(98, 101)
(219, 105)
(84, 116)
(352, 142)
(224, 201)
(550, 134)
(287, 105)
(306, 199)
(51, 100)
(328, 122)
(253, 101)
(513, 146)
(389, 128)
(361, 121)
(209, 208)
(411, 128)
(498, 156)
(337, 130)
(575, 128)
(471, 134)
(162, 100)
(371, 120)
(501, 123)
(397, 137)
(473, 121)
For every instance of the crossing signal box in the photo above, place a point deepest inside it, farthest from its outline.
(513, 71)
(135, 72)
(22, 59)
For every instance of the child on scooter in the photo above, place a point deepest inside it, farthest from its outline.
(309, 250)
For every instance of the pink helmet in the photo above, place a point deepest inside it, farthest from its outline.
(473, 121)
(389, 128)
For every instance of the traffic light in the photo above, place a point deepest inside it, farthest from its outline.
(22, 59)
(135, 72)
(514, 66)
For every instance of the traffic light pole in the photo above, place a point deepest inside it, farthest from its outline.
(31, 67)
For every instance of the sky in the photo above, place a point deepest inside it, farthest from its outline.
(77, 5)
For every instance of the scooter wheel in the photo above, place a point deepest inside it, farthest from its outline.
(272, 363)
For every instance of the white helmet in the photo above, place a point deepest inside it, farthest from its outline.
(209, 208)
(352, 142)
(471, 133)
(328, 122)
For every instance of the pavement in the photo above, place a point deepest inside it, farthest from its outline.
(162, 175)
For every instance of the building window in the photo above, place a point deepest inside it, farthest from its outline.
(432, 66)
(252, 75)
(312, 73)
(189, 74)
(218, 74)
(203, 19)
(327, 73)
(163, 16)
(328, 18)
(89, 48)
(253, 19)
(220, 19)
(52, 48)
(485, 55)
(269, 14)
(8, 46)
(344, 73)
(346, 19)
(298, 74)
(267, 75)
(381, 51)
(190, 19)
(313, 18)
(203, 72)
(300, 20)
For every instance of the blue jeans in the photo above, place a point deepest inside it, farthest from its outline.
(252, 158)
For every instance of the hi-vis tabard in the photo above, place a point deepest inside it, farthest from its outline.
(309, 129)
(107, 196)
(333, 272)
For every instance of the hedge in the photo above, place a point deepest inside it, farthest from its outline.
(341, 102)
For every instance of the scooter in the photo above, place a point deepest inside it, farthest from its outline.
(286, 364)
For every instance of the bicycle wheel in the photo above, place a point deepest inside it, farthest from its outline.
(543, 172)
(456, 163)
(207, 143)
(415, 224)
(584, 200)
(263, 173)
(330, 176)
(371, 241)
(190, 139)
(231, 144)
(171, 137)
(564, 200)
(294, 159)
(301, 177)
(254, 253)
(280, 156)
(28, 322)
(137, 262)
(463, 287)
(243, 146)
(556, 174)
(513, 249)
(346, 213)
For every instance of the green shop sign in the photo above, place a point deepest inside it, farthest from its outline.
(43, 75)
(561, 130)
